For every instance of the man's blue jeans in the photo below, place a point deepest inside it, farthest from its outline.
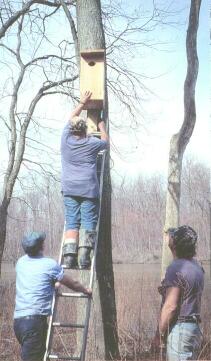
(31, 334)
(184, 342)
(81, 212)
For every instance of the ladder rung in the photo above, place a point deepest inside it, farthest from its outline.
(58, 357)
(68, 294)
(96, 134)
(67, 267)
(71, 325)
(71, 268)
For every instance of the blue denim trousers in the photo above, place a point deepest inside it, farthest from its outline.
(184, 342)
(81, 212)
(31, 332)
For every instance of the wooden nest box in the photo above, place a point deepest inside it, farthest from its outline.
(92, 77)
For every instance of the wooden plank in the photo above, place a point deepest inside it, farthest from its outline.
(90, 52)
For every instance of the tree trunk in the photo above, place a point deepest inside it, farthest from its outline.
(3, 227)
(91, 36)
(180, 140)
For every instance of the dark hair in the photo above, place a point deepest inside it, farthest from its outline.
(78, 127)
(33, 251)
(184, 241)
(170, 231)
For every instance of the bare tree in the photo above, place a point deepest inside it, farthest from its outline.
(195, 202)
(136, 230)
(57, 73)
(90, 35)
(36, 52)
(180, 140)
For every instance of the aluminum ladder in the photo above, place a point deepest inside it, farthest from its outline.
(84, 326)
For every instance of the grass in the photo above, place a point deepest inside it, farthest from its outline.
(137, 303)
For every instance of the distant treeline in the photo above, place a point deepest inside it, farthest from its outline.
(138, 209)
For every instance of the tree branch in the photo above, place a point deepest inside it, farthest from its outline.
(22, 139)
(24, 10)
(73, 31)
(191, 77)
(46, 57)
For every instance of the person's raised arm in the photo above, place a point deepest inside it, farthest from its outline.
(102, 128)
(75, 285)
(78, 109)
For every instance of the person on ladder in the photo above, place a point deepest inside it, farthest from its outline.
(80, 186)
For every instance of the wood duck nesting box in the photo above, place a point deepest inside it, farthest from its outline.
(92, 77)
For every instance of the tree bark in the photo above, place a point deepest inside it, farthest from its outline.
(91, 36)
(3, 227)
(180, 140)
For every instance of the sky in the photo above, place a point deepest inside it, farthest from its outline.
(147, 151)
(144, 150)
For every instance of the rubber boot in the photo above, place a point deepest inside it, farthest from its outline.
(70, 251)
(86, 245)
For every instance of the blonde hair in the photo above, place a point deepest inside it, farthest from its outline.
(76, 119)
(78, 125)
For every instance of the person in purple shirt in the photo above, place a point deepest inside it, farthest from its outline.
(80, 186)
(181, 291)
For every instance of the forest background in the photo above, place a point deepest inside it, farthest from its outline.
(143, 116)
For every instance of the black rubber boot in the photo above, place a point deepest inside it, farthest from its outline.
(86, 245)
(70, 260)
(84, 259)
(70, 255)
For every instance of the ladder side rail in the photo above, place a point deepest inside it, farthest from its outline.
(93, 264)
(50, 333)
(53, 311)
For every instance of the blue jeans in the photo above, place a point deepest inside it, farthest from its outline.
(184, 342)
(81, 212)
(31, 334)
